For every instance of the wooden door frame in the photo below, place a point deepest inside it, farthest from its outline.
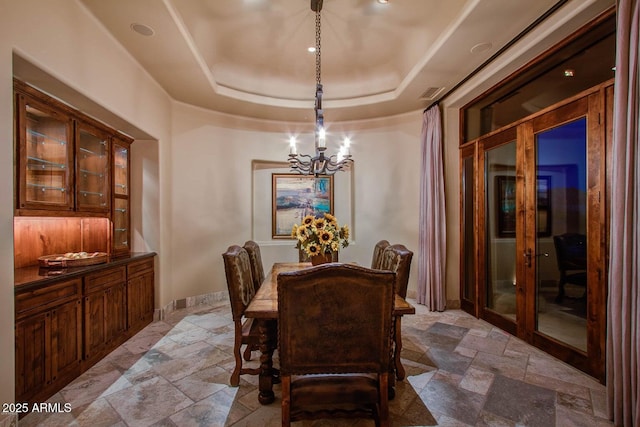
(596, 104)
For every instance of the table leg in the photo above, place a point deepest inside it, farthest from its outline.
(392, 370)
(267, 329)
(400, 373)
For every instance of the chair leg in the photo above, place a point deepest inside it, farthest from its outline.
(235, 376)
(383, 409)
(286, 401)
(247, 352)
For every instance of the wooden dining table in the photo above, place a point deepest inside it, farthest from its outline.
(264, 308)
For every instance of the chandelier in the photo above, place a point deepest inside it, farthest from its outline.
(319, 163)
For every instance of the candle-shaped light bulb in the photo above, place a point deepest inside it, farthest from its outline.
(347, 143)
(292, 145)
(322, 137)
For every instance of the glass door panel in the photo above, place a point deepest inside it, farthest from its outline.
(121, 177)
(92, 177)
(121, 224)
(468, 230)
(500, 232)
(561, 234)
(47, 159)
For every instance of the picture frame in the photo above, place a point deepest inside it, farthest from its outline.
(543, 214)
(505, 187)
(505, 205)
(295, 196)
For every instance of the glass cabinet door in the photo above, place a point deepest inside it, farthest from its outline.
(92, 176)
(121, 214)
(45, 157)
(121, 224)
(121, 172)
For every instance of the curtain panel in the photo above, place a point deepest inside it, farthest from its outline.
(432, 229)
(623, 318)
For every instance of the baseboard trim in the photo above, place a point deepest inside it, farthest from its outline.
(189, 302)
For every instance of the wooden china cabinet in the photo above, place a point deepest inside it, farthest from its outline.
(71, 195)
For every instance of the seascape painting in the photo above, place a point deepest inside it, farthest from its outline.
(296, 196)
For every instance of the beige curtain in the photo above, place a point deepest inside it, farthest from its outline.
(432, 244)
(623, 334)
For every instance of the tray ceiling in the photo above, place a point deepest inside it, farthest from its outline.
(250, 57)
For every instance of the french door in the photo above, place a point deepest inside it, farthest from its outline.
(534, 232)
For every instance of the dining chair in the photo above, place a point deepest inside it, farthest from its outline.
(378, 250)
(334, 349)
(571, 256)
(257, 270)
(397, 258)
(237, 268)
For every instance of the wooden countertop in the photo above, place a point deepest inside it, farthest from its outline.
(36, 276)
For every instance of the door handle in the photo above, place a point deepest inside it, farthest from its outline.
(528, 254)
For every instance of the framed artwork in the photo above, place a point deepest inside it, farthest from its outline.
(543, 215)
(295, 196)
(506, 205)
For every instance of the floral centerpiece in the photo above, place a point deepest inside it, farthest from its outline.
(320, 236)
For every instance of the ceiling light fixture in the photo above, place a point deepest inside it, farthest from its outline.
(142, 29)
(319, 164)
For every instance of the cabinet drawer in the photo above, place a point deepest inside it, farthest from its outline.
(140, 267)
(38, 300)
(97, 281)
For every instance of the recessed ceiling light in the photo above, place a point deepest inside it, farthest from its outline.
(311, 49)
(142, 29)
(569, 72)
(383, 1)
(481, 47)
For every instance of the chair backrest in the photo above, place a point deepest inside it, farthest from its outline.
(378, 250)
(257, 271)
(237, 268)
(571, 251)
(335, 318)
(397, 258)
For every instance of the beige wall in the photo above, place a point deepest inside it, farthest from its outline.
(59, 47)
(6, 223)
(213, 206)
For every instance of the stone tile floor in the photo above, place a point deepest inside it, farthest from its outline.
(461, 371)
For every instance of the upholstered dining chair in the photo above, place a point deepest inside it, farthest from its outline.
(257, 270)
(335, 353)
(378, 250)
(398, 258)
(240, 283)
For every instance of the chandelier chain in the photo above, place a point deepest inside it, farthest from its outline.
(318, 53)
(319, 163)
